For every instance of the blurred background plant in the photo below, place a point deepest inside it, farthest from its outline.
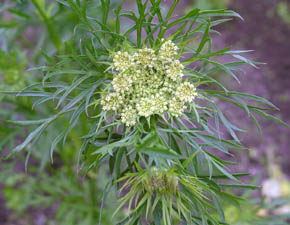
(211, 4)
(56, 197)
(46, 196)
(30, 32)
(283, 10)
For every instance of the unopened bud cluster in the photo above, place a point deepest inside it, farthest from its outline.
(161, 181)
(148, 83)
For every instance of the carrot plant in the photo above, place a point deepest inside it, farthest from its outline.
(138, 87)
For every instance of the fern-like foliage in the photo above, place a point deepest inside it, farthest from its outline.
(179, 152)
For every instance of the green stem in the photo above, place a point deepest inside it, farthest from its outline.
(55, 38)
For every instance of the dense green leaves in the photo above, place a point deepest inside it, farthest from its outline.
(192, 147)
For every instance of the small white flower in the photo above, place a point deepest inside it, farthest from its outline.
(111, 101)
(145, 57)
(174, 70)
(186, 92)
(122, 82)
(271, 188)
(168, 51)
(122, 61)
(176, 107)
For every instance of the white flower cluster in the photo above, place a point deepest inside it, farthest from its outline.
(168, 51)
(148, 83)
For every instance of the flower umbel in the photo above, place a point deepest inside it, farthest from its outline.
(164, 187)
(148, 83)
